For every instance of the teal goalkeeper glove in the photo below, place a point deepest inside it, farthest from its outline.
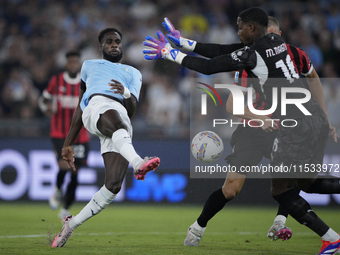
(161, 49)
(175, 36)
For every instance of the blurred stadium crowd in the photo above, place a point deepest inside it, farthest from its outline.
(35, 34)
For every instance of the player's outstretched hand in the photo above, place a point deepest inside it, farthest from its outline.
(156, 48)
(175, 36)
(68, 155)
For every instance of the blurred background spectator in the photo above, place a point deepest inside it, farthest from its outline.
(35, 34)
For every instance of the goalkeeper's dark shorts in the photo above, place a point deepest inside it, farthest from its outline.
(301, 148)
(249, 146)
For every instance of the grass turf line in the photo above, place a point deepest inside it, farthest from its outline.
(139, 229)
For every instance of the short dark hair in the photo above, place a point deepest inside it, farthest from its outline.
(73, 53)
(273, 22)
(107, 30)
(255, 15)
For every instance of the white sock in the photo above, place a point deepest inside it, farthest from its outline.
(123, 144)
(280, 218)
(331, 236)
(99, 201)
(197, 226)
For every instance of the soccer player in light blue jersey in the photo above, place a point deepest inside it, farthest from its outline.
(108, 98)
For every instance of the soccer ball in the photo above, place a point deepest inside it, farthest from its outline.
(207, 147)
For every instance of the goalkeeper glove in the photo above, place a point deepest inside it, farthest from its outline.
(175, 36)
(161, 49)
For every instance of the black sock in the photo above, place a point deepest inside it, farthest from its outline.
(282, 211)
(60, 178)
(300, 210)
(325, 186)
(71, 190)
(213, 205)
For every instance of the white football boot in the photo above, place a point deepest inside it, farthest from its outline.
(194, 235)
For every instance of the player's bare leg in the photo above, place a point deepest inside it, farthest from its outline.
(111, 125)
(233, 185)
(115, 170)
(217, 200)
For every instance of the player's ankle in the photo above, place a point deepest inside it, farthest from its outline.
(280, 219)
(197, 226)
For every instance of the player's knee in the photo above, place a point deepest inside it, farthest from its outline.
(230, 193)
(233, 186)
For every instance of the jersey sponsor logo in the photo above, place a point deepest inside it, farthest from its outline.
(239, 53)
(62, 89)
(235, 56)
(68, 101)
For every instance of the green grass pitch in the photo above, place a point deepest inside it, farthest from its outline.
(153, 229)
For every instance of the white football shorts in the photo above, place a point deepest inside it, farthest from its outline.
(96, 107)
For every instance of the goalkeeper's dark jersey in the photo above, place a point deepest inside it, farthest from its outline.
(268, 59)
(268, 65)
(301, 63)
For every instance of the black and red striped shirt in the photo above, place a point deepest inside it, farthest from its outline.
(302, 65)
(300, 60)
(64, 93)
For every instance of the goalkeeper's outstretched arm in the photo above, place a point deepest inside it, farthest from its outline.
(162, 49)
(209, 50)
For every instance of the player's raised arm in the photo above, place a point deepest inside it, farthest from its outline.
(209, 50)
(229, 62)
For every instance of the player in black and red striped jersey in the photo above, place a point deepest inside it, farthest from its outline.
(251, 144)
(243, 138)
(59, 101)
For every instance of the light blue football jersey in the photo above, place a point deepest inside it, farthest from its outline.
(97, 74)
